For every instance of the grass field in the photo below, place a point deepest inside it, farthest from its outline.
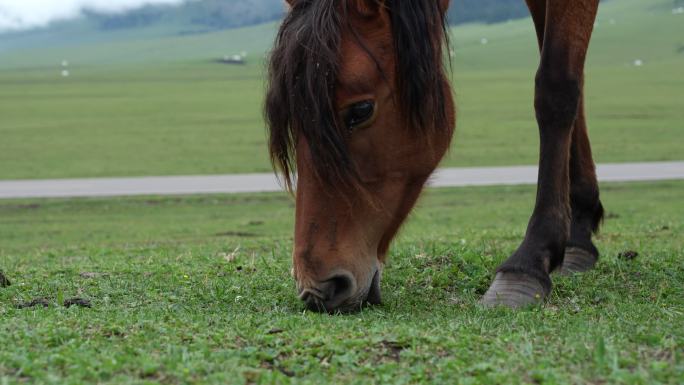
(155, 104)
(197, 289)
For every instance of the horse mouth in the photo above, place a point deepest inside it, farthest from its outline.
(374, 296)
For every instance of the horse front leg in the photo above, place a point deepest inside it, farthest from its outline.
(587, 211)
(524, 278)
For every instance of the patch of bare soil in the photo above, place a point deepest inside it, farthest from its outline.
(80, 302)
(393, 349)
(33, 303)
(628, 255)
(241, 234)
(44, 302)
(4, 281)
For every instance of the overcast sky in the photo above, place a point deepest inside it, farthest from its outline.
(24, 14)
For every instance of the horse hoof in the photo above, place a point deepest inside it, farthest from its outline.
(577, 261)
(4, 282)
(514, 290)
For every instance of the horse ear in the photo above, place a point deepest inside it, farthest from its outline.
(444, 5)
(290, 3)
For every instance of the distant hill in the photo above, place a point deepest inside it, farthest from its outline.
(206, 15)
(195, 16)
(486, 11)
(198, 17)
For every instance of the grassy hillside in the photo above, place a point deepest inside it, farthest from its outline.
(205, 16)
(142, 48)
(187, 18)
(157, 104)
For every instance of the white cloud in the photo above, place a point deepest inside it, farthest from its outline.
(25, 14)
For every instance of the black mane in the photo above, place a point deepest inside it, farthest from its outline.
(303, 73)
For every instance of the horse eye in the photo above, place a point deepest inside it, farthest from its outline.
(359, 113)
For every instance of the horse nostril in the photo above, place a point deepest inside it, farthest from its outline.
(339, 288)
(330, 294)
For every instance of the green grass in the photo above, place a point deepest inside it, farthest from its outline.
(197, 289)
(154, 104)
(174, 302)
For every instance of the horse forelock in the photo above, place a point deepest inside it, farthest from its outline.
(420, 33)
(303, 74)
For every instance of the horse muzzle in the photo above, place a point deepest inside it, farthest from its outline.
(341, 293)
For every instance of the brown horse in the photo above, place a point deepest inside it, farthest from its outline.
(360, 106)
